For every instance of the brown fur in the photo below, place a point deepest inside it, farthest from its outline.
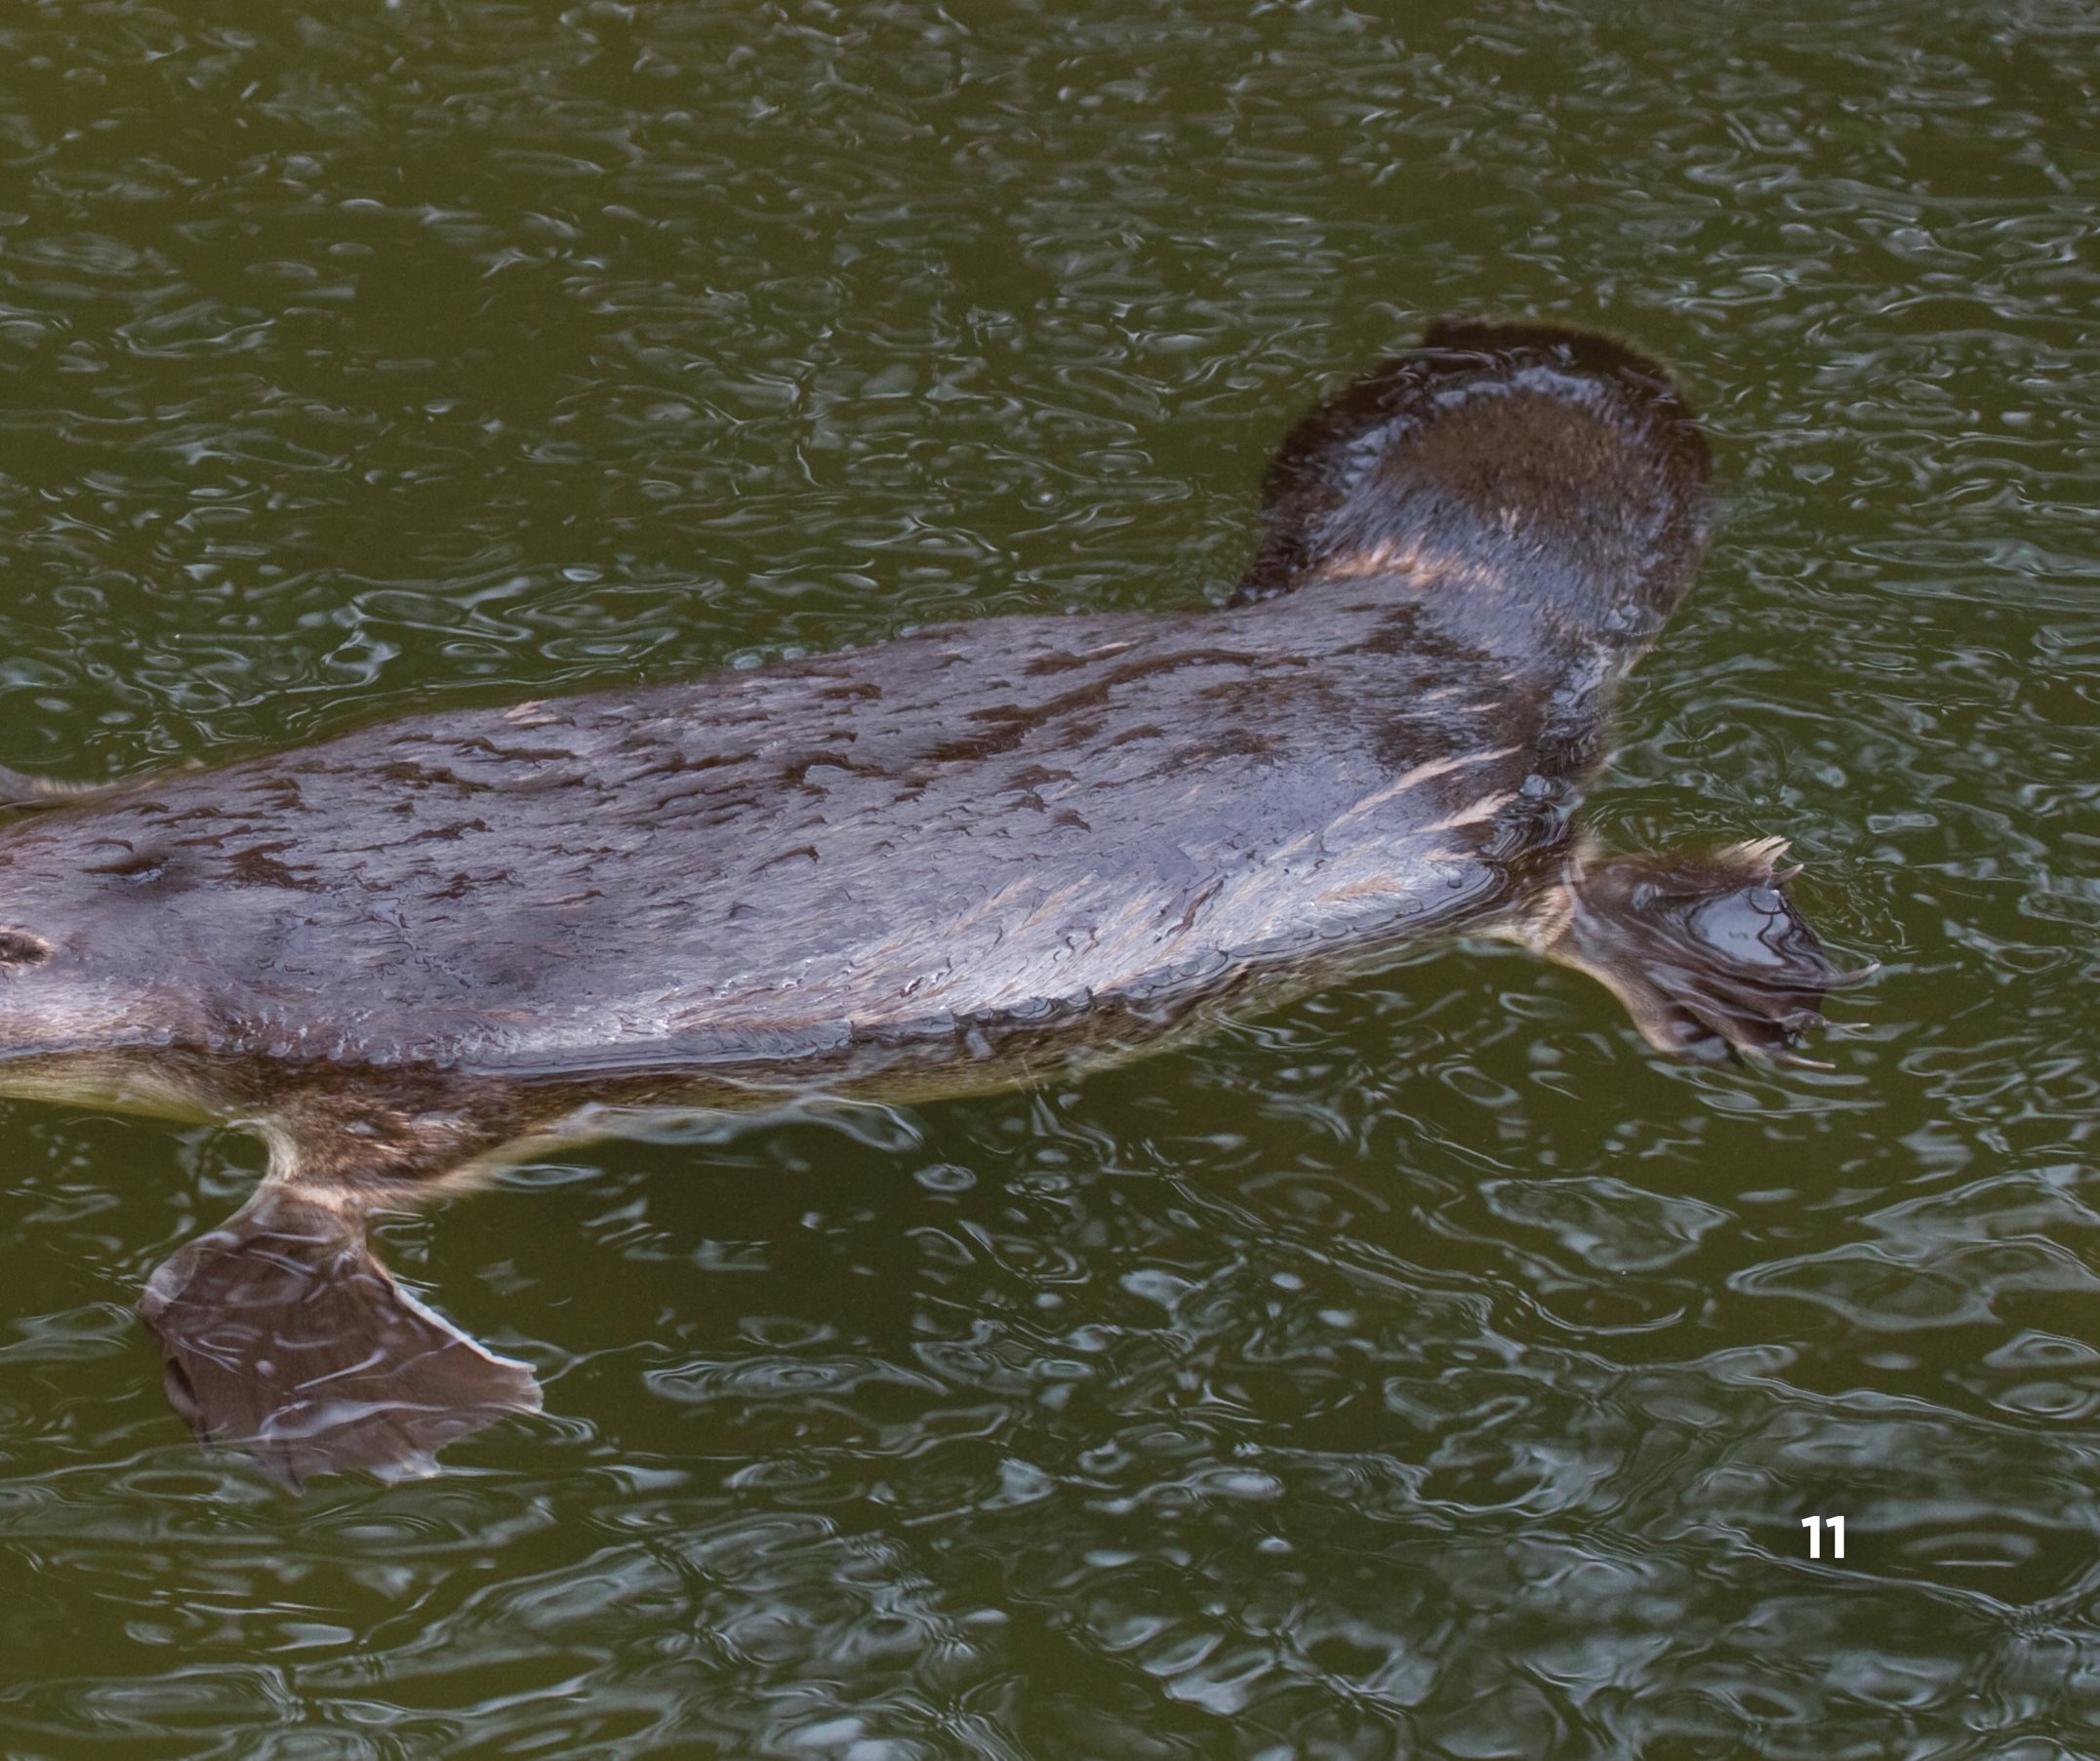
(956, 859)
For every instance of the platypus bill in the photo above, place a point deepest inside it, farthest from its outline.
(954, 859)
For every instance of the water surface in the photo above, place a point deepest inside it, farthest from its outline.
(1427, 1370)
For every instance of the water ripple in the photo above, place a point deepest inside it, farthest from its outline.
(1424, 1368)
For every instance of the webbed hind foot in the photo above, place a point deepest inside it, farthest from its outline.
(285, 1338)
(1707, 952)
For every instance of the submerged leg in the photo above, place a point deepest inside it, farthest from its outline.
(285, 1337)
(1706, 954)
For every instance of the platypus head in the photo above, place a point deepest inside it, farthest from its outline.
(1540, 491)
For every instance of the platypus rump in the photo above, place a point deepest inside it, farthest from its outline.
(963, 857)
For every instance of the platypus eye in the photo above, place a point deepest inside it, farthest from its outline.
(20, 950)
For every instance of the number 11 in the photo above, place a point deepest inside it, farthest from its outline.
(1814, 1525)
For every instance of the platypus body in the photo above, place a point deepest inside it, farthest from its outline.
(965, 856)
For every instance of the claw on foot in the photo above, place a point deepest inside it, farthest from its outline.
(1707, 952)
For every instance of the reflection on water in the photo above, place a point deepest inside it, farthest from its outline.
(1426, 1370)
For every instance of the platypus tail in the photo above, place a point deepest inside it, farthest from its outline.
(284, 1337)
(1528, 485)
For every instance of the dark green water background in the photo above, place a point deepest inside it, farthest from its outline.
(1424, 1371)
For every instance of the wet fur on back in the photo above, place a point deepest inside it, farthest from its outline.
(910, 868)
(972, 824)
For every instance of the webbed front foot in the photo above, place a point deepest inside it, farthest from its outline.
(1707, 952)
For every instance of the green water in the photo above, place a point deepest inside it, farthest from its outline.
(1428, 1371)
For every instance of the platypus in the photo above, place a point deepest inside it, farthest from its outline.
(975, 855)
